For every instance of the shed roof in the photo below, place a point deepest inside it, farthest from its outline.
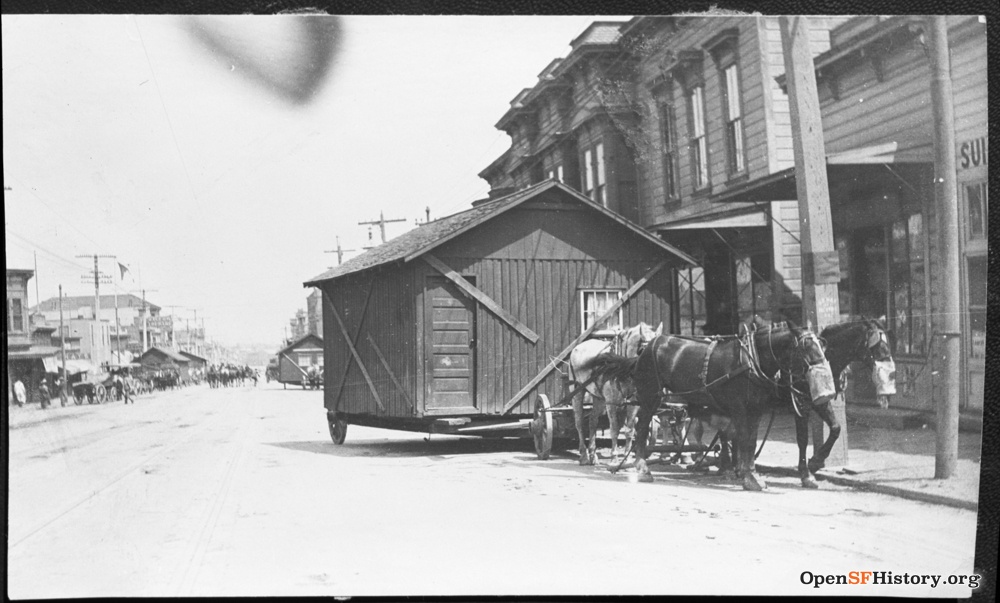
(299, 341)
(423, 239)
(194, 357)
(165, 352)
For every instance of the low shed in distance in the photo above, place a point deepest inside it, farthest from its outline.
(295, 358)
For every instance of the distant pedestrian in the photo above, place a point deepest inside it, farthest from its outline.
(20, 395)
(43, 391)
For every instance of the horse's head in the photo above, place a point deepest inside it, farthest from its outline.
(800, 355)
(877, 352)
(634, 339)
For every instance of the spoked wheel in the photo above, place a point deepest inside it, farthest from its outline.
(101, 394)
(542, 428)
(338, 430)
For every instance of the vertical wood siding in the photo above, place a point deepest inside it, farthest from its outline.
(390, 320)
(533, 261)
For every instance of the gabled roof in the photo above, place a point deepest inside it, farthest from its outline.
(425, 238)
(300, 341)
(194, 357)
(71, 303)
(166, 352)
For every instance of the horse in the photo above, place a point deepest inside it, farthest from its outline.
(861, 340)
(606, 394)
(730, 376)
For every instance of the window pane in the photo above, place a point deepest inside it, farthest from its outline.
(16, 315)
(588, 168)
(738, 146)
(696, 112)
(732, 92)
(977, 282)
(976, 195)
(599, 150)
(702, 162)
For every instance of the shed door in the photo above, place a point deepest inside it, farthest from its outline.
(450, 357)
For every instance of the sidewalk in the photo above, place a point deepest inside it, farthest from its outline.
(886, 457)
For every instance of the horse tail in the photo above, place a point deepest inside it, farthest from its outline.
(613, 367)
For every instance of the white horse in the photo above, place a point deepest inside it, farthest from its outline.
(608, 395)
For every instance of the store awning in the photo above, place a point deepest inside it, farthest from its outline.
(842, 169)
(51, 366)
(79, 366)
(32, 353)
(743, 219)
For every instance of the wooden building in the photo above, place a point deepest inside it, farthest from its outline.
(697, 105)
(295, 358)
(165, 359)
(459, 324)
(875, 99)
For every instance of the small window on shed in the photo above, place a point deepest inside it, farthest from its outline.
(595, 303)
(304, 360)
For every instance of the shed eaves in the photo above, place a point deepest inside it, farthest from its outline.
(426, 237)
(169, 354)
(420, 237)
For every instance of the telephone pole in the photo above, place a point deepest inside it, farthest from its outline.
(145, 313)
(946, 198)
(381, 223)
(340, 252)
(62, 348)
(820, 261)
(107, 280)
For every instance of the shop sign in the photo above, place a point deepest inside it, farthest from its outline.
(978, 344)
(972, 153)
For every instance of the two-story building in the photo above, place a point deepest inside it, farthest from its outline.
(126, 330)
(28, 352)
(682, 124)
(875, 99)
(657, 117)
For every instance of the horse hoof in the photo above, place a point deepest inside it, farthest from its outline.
(646, 478)
(815, 466)
(754, 482)
(810, 483)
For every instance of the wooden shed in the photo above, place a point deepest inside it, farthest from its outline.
(295, 358)
(456, 326)
(164, 359)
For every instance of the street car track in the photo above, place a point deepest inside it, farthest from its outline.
(183, 437)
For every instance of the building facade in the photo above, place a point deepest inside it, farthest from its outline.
(682, 124)
(27, 350)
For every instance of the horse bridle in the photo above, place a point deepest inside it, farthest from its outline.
(873, 336)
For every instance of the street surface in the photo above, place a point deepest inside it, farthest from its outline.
(240, 492)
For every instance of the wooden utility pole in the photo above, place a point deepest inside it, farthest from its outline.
(381, 223)
(62, 348)
(340, 252)
(946, 198)
(820, 261)
(145, 313)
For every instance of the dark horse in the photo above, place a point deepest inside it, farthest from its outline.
(862, 340)
(729, 376)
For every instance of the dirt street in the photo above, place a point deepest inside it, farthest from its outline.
(241, 492)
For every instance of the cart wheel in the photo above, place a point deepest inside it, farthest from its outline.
(338, 430)
(541, 428)
(101, 394)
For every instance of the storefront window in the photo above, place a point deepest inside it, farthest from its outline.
(976, 196)
(753, 287)
(977, 307)
(691, 291)
(887, 277)
(844, 288)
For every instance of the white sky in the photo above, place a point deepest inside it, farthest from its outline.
(124, 135)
